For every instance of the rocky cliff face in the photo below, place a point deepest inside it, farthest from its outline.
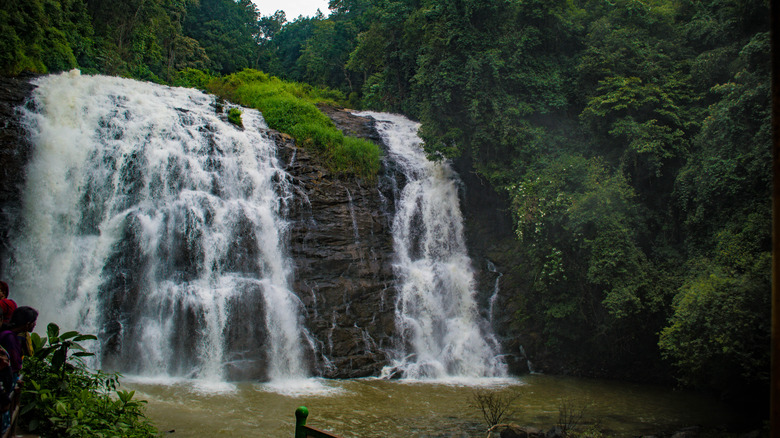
(342, 248)
(496, 253)
(15, 151)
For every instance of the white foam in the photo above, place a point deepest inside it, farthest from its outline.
(302, 387)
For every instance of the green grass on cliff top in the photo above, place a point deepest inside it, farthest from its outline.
(289, 107)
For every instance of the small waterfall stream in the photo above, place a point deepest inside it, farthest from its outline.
(496, 289)
(442, 334)
(163, 225)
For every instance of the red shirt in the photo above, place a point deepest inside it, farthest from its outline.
(8, 306)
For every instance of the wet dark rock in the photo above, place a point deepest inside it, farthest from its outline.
(15, 152)
(247, 344)
(341, 245)
(122, 276)
(394, 373)
(688, 432)
(515, 431)
(349, 124)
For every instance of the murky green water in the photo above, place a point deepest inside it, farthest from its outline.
(379, 408)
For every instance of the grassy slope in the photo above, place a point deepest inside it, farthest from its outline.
(289, 107)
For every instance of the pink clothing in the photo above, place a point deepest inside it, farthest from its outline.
(8, 306)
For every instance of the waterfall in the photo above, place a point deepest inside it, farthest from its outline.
(442, 334)
(496, 289)
(152, 221)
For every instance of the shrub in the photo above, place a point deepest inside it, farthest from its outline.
(718, 333)
(283, 113)
(62, 398)
(570, 414)
(234, 116)
(495, 406)
(192, 78)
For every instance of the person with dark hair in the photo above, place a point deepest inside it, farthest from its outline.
(7, 305)
(22, 321)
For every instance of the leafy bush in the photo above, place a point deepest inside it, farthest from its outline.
(718, 333)
(61, 397)
(192, 78)
(234, 116)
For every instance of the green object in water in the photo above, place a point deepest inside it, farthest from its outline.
(304, 431)
(234, 117)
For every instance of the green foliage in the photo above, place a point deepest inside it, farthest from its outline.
(357, 153)
(719, 331)
(719, 328)
(61, 397)
(234, 117)
(192, 78)
(489, 77)
(324, 55)
(290, 108)
(578, 220)
(228, 32)
(280, 55)
(729, 174)
(139, 38)
(646, 117)
(41, 35)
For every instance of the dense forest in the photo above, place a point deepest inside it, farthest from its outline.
(629, 139)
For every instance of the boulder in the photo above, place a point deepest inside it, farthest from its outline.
(688, 432)
(515, 431)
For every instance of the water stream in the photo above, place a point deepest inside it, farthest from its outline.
(441, 333)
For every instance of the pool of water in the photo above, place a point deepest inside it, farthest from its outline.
(381, 408)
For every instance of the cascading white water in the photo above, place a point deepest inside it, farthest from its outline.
(443, 335)
(154, 222)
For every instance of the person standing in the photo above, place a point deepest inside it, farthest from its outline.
(22, 322)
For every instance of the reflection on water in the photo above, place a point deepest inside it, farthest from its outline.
(379, 408)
